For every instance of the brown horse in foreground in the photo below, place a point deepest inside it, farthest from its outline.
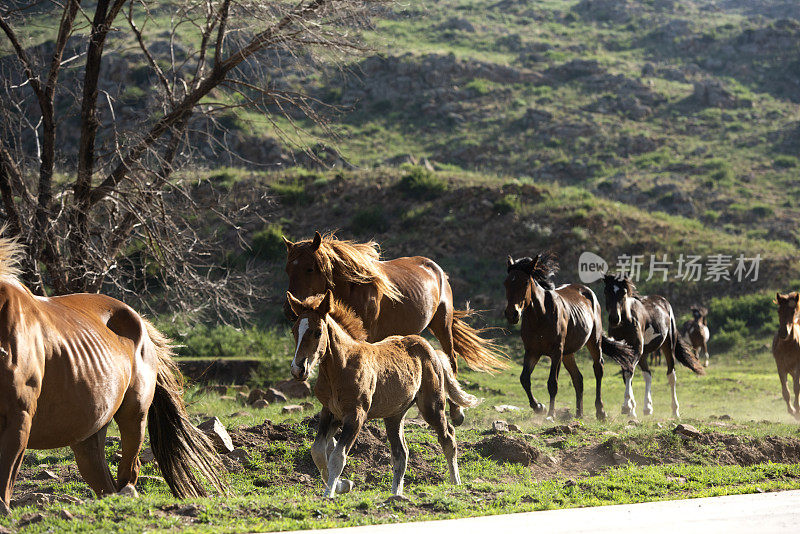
(647, 324)
(696, 331)
(786, 348)
(359, 380)
(558, 322)
(402, 296)
(70, 364)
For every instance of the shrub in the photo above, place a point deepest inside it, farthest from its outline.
(420, 183)
(290, 193)
(507, 204)
(268, 243)
(739, 318)
(785, 162)
(369, 220)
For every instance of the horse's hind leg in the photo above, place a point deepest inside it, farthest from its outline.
(397, 440)
(577, 382)
(90, 455)
(785, 391)
(648, 386)
(442, 327)
(552, 383)
(597, 366)
(14, 432)
(131, 419)
(430, 401)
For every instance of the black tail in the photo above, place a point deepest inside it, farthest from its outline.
(181, 450)
(620, 352)
(687, 357)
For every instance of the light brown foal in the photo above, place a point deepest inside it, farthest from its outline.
(359, 380)
(786, 348)
(71, 364)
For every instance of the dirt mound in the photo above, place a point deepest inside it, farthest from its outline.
(507, 449)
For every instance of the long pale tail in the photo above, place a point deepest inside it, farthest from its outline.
(620, 352)
(181, 450)
(686, 356)
(454, 391)
(481, 354)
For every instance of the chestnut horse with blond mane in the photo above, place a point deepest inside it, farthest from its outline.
(786, 348)
(402, 296)
(359, 380)
(71, 364)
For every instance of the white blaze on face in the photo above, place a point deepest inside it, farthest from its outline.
(301, 330)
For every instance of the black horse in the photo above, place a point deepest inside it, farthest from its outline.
(647, 324)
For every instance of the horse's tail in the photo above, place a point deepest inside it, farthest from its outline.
(454, 391)
(181, 450)
(687, 357)
(481, 354)
(620, 352)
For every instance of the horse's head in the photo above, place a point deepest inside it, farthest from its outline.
(787, 313)
(617, 291)
(518, 287)
(306, 277)
(310, 332)
(699, 314)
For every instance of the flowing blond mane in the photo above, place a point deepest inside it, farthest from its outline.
(342, 314)
(358, 263)
(10, 254)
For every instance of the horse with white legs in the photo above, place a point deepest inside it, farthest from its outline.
(647, 324)
(359, 380)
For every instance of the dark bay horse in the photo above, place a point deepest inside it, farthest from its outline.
(359, 380)
(71, 364)
(647, 324)
(558, 322)
(402, 296)
(786, 348)
(696, 331)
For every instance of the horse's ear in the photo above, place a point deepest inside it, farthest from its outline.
(509, 262)
(326, 305)
(288, 243)
(316, 242)
(296, 305)
(778, 298)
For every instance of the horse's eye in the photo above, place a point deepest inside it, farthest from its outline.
(309, 270)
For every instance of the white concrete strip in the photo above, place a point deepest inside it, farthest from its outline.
(757, 513)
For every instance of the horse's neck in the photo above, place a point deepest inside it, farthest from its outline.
(537, 296)
(340, 344)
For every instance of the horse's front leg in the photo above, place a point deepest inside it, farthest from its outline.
(530, 361)
(14, 432)
(552, 382)
(320, 449)
(796, 383)
(351, 426)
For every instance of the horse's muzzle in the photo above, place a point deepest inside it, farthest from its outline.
(299, 373)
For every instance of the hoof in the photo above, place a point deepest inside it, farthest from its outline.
(648, 410)
(625, 409)
(550, 418)
(4, 509)
(538, 407)
(457, 416)
(128, 491)
(706, 364)
(344, 486)
(601, 415)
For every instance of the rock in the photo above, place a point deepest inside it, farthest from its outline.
(242, 397)
(557, 442)
(46, 475)
(712, 93)
(256, 395)
(147, 456)
(459, 24)
(499, 426)
(725, 417)
(66, 515)
(150, 479)
(294, 389)
(398, 498)
(273, 395)
(513, 428)
(551, 460)
(619, 459)
(687, 431)
(239, 455)
(33, 499)
(260, 404)
(506, 449)
(678, 480)
(29, 519)
(214, 429)
(506, 408)
(292, 408)
(307, 405)
(240, 414)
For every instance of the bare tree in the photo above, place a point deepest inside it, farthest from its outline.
(88, 180)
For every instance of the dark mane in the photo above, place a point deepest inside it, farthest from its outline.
(621, 280)
(702, 310)
(542, 268)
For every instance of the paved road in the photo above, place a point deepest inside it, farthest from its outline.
(760, 513)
